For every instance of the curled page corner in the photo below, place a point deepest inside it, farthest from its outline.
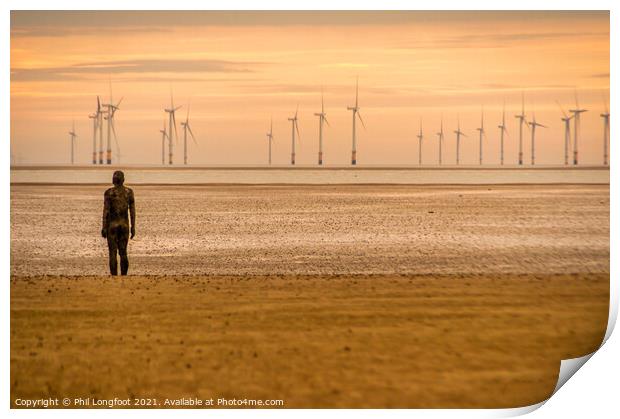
(568, 368)
(518, 411)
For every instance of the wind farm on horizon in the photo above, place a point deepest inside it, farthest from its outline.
(526, 123)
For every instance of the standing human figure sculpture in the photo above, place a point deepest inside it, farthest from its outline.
(118, 201)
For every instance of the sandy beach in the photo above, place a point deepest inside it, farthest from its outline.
(369, 341)
(322, 296)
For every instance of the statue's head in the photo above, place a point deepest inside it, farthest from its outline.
(118, 178)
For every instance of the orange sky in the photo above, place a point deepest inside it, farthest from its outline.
(239, 69)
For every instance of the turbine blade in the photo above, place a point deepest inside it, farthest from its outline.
(296, 110)
(359, 115)
(113, 128)
(119, 102)
(326, 121)
(297, 129)
(191, 134)
(176, 133)
(116, 142)
(561, 109)
(576, 98)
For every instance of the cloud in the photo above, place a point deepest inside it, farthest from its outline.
(58, 23)
(500, 40)
(82, 70)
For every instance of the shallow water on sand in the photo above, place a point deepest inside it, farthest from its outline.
(346, 229)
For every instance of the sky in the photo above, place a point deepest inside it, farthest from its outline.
(235, 71)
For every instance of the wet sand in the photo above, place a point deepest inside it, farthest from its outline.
(322, 296)
(258, 230)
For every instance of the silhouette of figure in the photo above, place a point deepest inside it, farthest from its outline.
(117, 201)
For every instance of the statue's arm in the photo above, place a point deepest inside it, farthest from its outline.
(106, 212)
(132, 212)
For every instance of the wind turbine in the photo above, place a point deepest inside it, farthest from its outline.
(481, 131)
(533, 126)
(576, 115)
(100, 114)
(458, 133)
(605, 117)
(294, 128)
(440, 137)
(420, 138)
(73, 135)
(270, 137)
(521, 118)
(356, 112)
(186, 128)
(502, 131)
(322, 118)
(95, 118)
(566, 121)
(172, 122)
(164, 136)
(111, 110)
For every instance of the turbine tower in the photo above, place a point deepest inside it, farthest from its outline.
(294, 127)
(164, 136)
(566, 121)
(100, 113)
(73, 135)
(605, 117)
(270, 137)
(356, 112)
(576, 116)
(97, 125)
(187, 128)
(111, 110)
(458, 133)
(420, 137)
(440, 138)
(172, 122)
(521, 118)
(322, 118)
(533, 126)
(481, 132)
(95, 118)
(502, 131)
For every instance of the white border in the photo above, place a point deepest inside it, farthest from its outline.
(592, 393)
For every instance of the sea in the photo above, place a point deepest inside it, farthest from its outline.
(311, 175)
